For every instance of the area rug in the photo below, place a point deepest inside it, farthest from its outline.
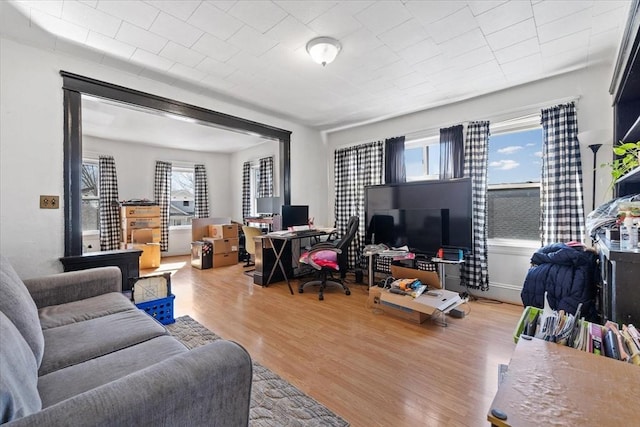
(274, 401)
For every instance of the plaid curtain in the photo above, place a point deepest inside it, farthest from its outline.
(109, 209)
(475, 273)
(561, 205)
(246, 189)
(162, 194)
(201, 192)
(354, 168)
(265, 182)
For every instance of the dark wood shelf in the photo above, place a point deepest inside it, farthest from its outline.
(631, 177)
(633, 134)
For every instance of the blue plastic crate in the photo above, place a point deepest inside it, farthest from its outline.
(160, 309)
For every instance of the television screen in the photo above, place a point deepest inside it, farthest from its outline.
(294, 215)
(424, 215)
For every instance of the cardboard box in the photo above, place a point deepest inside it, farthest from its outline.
(224, 246)
(223, 260)
(141, 235)
(222, 231)
(150, 257)
(139, 211)
(146, 222)
(429, 278)
(394, 309)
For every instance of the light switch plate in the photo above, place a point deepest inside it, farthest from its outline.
(49, 202)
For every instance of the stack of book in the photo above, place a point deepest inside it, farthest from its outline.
(570, 330)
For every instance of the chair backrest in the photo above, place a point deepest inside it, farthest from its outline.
(350, 233)
(249, 234)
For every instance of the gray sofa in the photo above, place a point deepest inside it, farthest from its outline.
(75, 352)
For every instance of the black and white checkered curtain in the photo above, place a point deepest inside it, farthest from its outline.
(354, 168)
(109, 209)
(201, 208)
(561, 204)
(162, 194)
(265, 182)
(475, 273)
(246, 189)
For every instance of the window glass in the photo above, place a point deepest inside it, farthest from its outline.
(513, 197)
(422, 159)
(90, 196)
(182, 196)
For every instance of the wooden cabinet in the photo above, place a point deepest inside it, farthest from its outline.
(127, 260)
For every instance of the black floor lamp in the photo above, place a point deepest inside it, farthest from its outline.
(594, 148)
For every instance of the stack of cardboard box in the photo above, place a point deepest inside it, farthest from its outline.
(225, 241)
(141, 230)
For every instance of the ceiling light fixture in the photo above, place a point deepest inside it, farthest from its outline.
(323, 50)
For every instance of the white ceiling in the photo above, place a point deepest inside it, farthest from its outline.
(397, 56)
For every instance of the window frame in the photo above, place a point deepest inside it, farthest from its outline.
(96, 231)
(519, 124)
(182, 168)
(424, 142)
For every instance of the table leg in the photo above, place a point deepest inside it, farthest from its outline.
(371, 279)
(278, 262)
(441, 273)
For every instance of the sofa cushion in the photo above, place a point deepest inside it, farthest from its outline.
(86, 309)
(67, 382)
(81, 341)
(18, 306)
(18, 374)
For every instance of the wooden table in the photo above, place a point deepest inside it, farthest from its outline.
(550, 384)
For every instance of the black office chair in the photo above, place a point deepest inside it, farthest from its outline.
(331, 257)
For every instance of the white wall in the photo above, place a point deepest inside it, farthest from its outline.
(508, 264)
(31, 157)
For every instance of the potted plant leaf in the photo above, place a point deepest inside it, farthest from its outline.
(626, 160)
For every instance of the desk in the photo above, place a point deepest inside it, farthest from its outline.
(280, 245)
(268, 221)
(550, 384)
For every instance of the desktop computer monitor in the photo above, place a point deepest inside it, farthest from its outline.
(294, 215)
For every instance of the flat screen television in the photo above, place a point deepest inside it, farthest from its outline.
(294, 215)
(423, 215)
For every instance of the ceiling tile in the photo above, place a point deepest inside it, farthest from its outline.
(135, 12)
(150, 60)
(611, 19)
(187, 72)
(306, 11)
(136, 36)
(243, 60)
(473, 58)
(452, 26)
(181, 54)
(420, 51)
(571, 43)
(334, 23)
(181, 9)
(478, 7)
(432, 65)
(60, 28)
(291, 33)
(431, 11)
(360, 42)
(383, 15)
(473, 39)
(404, 35)
(124, 65)
(88, 17)
(517, 51)
(410, 80)
(251, 41)
(215, 48)
(109, 45)
(524, 67)
(261, 15)
(504, 16)
(176, 30)
(549, 11)
(563, 27)
(511, 35)
(216, 68)
(600, 7)
(53, 8)
(379, 58)
(215, 21)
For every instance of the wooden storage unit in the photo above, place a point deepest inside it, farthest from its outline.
(140, 229)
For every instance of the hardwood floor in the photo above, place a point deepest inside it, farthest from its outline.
(368, 366)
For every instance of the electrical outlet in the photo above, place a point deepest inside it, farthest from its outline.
(49, 202)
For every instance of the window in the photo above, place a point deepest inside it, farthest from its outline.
(90, 191)
(182, 206)
(255, 178)
(513, 196)
(422, 158)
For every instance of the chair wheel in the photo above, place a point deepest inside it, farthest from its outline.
(347, 292)
(320, 297)
(300, 290)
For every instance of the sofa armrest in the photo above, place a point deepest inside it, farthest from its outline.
(206, 386)
(71, 286)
